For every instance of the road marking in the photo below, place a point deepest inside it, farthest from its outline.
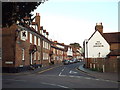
(87, 78)
(72, 72)
(14, 80)
(63, 69)
(55, 85)
(45, 70)
(60, 73)
(49, 69)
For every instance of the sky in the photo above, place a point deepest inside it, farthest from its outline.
(70, 21)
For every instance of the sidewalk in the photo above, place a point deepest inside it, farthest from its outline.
(34, 71)
(101, 75)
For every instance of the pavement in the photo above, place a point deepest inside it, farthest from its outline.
(42, 69)
(101, 75)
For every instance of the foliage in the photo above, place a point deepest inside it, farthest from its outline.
(13, 11)
(75, 45)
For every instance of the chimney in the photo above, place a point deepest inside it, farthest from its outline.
(99, 27)
(37, 20)
(41, 29)
(44, 31)
(47, 33)
(55, 41)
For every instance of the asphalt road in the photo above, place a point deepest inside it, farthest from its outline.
(66, 76)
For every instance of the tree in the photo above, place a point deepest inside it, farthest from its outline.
(13, 11)
(75, 45)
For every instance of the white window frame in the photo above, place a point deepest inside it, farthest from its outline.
(35, 40)
(30, 38)
(38, 41)
(23, 54)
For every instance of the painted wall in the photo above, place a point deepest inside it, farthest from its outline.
(98, 46)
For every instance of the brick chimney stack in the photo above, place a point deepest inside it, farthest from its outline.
(99, 27)
(37, 20)
(41, 29)
(47, 33)
(44, 31)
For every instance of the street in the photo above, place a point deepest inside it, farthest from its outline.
(65, 76)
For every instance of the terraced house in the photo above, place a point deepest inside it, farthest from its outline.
(59, 52)
(26, 43)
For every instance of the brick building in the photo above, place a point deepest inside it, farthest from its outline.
(59, 52)
(102, 50)
(24, 44)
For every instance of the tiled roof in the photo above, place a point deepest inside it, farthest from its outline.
(114, 53)
(113, 37)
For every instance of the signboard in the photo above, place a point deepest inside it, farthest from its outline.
(9, 62)
(98, 44)
(23, 35)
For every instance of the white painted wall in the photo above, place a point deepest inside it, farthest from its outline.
(93, 52)
(85, 47)
(69, 52)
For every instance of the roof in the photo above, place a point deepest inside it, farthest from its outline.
(114, 53)
(113, 37)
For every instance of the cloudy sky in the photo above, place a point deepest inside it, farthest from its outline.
(69, 21)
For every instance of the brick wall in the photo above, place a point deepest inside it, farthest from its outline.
(8, 45)
(114, 46)
(104, 65)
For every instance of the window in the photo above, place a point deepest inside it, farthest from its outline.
(30, 38)
(45, 56)
(23, 54)
(43, 44)
(35, 40)
(38, 41)
(49, 46)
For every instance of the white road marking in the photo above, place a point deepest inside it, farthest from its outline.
(14, 80)
(87, 78)
(55, 85)
(72, 72)
(61, 71)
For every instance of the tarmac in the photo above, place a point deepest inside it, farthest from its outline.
(102, 75)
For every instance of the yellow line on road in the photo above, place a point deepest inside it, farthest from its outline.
(48, 69)
(45, 70)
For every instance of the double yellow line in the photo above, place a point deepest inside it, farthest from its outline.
(49, 69)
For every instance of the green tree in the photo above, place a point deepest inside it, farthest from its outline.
(13, 11)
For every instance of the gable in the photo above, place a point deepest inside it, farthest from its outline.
(97, 36)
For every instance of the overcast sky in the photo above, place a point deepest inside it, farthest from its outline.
(69, 21)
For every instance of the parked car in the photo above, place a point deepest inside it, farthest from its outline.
(75, 60)
(71, 61)
(66, 62)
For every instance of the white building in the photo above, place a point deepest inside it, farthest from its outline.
(96, 46)
(69, 52)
